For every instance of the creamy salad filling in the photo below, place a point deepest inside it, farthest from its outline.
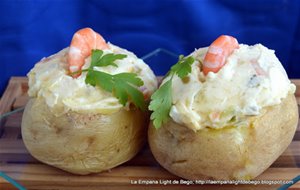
(49, 79)
(251, 79)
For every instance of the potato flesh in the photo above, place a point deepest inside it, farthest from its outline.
(82, 143)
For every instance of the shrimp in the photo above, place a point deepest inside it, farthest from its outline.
(217, 53)
(82, 44)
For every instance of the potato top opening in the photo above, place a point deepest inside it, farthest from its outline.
(50, 79)
(251, 79)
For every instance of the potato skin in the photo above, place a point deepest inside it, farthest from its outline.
(228, 153)
(82, 143)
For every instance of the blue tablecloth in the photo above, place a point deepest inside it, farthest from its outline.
(31, 30)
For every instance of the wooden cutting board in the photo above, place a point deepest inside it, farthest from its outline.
(16, 162)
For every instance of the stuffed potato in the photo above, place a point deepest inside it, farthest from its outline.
(227, 153)
(230, 117)
(85, 112)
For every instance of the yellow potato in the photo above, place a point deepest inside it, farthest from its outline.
(82, 143)
(228, 153)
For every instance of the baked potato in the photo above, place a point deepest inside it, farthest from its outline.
(227, 153)
(223, 112)
(82, 143)
(85, 113)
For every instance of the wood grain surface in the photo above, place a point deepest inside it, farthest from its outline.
(17, 163)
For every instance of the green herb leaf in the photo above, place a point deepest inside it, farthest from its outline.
(161, 100)
(100, 60)
(96, 56)
(183, 67)
(122, 85)
(161, 103)
(126, 88)
(101, 79)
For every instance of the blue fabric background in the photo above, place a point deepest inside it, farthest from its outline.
(30, 30)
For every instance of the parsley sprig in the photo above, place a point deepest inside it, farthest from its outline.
(123, 86)
(161, 100)
(100, 60)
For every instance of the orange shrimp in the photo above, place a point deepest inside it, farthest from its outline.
(82, 44)
(217, 53)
